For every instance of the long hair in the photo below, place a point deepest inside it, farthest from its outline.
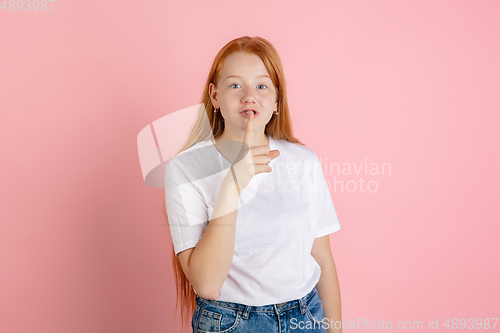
(279, 127)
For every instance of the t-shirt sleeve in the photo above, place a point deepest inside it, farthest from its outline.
(186, 207)
(327, 220)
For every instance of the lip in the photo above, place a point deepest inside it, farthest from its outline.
(247, 114)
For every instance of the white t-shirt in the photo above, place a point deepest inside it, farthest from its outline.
(279, 216)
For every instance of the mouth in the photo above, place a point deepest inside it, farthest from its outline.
(246, 112)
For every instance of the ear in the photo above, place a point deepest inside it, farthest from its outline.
(212, 92)
(276, 106)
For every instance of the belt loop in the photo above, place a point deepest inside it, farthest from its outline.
(276, 311)
(246, 311)
(302, 305)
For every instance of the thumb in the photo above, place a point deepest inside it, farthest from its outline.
(273, 154)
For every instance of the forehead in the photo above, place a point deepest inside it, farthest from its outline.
(244, 65)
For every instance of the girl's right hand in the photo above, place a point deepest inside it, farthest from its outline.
(256, 159)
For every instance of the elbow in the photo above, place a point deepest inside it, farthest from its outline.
(212, 296)
(207, 293)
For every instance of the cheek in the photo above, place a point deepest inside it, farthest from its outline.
(229, 96)
(271, 98)
(272, 95)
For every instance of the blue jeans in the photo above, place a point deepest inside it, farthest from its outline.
(302, 315)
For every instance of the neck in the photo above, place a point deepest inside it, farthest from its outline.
(260, 139)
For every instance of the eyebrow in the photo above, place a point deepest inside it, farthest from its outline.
(237, 76)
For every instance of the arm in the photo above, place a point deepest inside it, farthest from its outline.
(207, 265)
(328, 285)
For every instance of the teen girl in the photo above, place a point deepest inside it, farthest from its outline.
(249, 209)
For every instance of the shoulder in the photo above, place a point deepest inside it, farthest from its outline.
(193, 162)
(194, 148)
(296, 151)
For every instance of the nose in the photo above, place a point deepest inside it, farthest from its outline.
(248, 96)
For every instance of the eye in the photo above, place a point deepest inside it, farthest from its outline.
(262, 85)
(234, 84)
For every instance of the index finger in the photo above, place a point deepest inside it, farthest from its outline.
(249, 131)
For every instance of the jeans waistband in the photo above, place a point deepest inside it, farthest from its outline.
(279, 307)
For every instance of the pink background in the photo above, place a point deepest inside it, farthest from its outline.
(83, 244)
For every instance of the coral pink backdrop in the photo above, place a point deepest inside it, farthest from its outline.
(408, 87)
